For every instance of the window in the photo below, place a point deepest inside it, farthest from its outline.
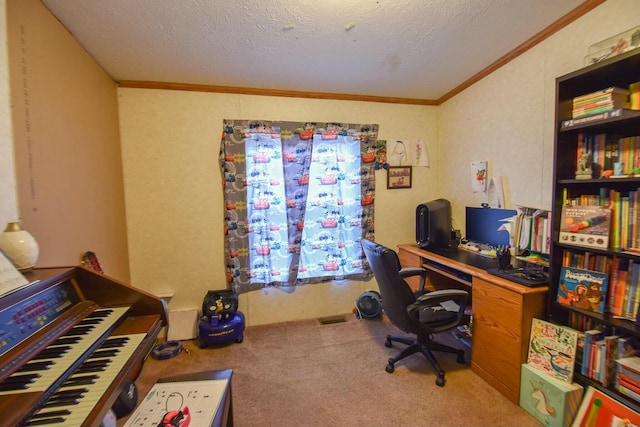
(298, 200)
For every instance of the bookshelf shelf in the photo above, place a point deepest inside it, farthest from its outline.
(621, 325)
(608, 140)
(602, 182)
(625, 118)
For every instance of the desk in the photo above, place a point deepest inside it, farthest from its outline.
(502, 311)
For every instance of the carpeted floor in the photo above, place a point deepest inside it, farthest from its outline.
(306, 373)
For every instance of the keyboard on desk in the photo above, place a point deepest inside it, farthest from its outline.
(521, 276)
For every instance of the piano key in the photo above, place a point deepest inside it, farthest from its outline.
(78, 412)
(70, 392)
(52, 352)
(90, 368)
(66, 402)
(19, 382)
(36, 366)
(106, 312)
(60, 366)
(113, 343)
(78, 330)
(53, 413)
(45, 421)
(81, 380)
(104, 353)
(88, 321)
(66, 340)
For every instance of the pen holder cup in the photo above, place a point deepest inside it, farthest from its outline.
(504, 260)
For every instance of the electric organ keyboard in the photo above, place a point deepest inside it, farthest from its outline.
(69, 342)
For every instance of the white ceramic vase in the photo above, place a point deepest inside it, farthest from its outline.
(19, 246)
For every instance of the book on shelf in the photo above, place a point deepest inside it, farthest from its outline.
(588, 352)
(593, 118)
(608, 92)
(624, 294)
(597, 359)
(628, 392)
(632, 299)
(634, 96)
(586, 260)
(609, 360)
(584, 289)
(628, 375)
(598, 353)
(630, 366)
(628, 346)
(605, 150)
(592, 109)
(552, 349)
(585, 226)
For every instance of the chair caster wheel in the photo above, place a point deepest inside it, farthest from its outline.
(387, 343)
(460, 359)
(390, 368)
(440, 381)
(240, 339)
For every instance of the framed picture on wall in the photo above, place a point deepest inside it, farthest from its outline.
(399, 177)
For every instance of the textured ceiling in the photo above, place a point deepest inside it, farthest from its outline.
(392, 48)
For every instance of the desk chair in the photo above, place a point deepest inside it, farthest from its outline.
(421, 313)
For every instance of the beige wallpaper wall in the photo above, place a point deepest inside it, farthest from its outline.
(170, 142)
(8, 196)
(508, 117)
(173, 193)
(66, 141)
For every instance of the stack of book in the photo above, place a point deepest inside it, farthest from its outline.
(605, 150)
(547, 390)
(628, 378)
(601, 101)
(624, 297)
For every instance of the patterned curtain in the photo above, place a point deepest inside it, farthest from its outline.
(298, 200)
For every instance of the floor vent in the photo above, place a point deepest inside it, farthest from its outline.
(331, 320)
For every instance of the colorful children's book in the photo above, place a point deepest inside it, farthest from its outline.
(586, 226)
(552, 402)
(552, 349)
(601, 409)
(583, 289)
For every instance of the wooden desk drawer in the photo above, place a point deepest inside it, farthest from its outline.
(497, 332)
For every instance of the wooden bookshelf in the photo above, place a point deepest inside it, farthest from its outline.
(620, 71)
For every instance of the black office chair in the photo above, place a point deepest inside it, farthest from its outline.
(421, 313)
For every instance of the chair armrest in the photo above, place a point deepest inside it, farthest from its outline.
(444, 295)
(415, 271)
(439, 318)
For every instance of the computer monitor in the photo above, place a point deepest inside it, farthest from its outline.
(482, 224)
